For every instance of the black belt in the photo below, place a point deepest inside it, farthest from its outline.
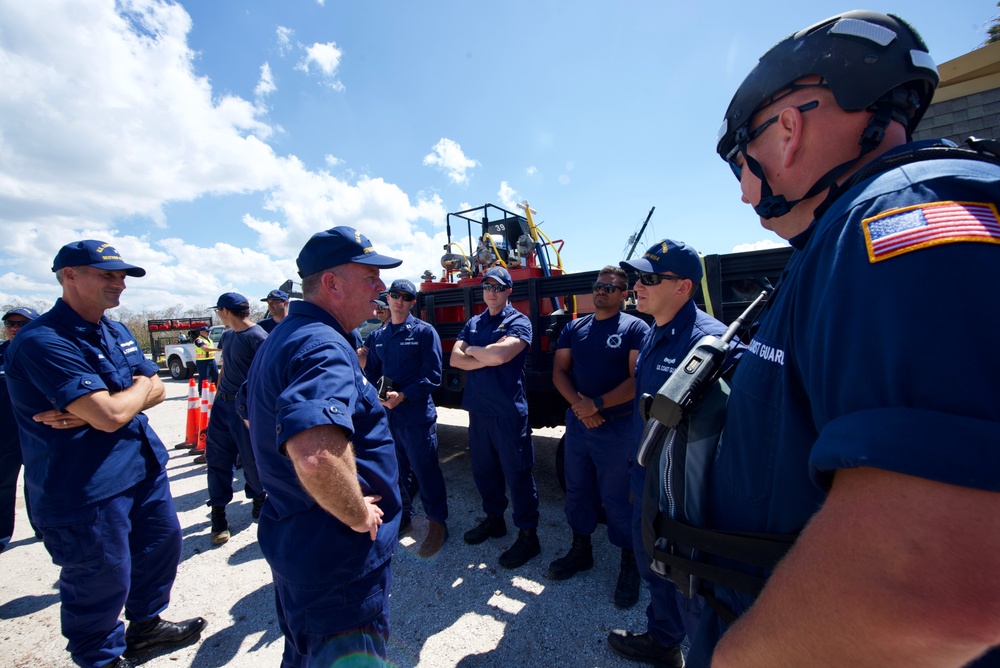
(226, 397)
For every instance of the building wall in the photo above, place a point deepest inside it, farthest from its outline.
(977, 114)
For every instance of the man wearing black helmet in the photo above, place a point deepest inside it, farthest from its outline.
(878, 455)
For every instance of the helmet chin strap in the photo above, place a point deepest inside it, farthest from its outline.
(776, 206)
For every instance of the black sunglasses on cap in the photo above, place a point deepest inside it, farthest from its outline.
(405, 296)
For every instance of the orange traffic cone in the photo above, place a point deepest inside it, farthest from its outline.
(203, 419)
(191, 429)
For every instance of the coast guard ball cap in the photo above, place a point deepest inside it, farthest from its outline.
(93, 253)
(668, 255)
(337, 246)
(500, 275)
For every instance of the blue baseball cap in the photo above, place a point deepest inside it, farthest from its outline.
(403, 285)
(25, 311)
(92, 253)
(380, 303)
(232, 300)
(669, 255)
(340, 245)
(500, 275)
(276, 294)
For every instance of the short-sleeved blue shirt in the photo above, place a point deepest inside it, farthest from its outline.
(864, 357)
(600, 351)
(306, 375)
(54, 360)
(410, 355)
(238, 350)
(663, 349)
(497, 391)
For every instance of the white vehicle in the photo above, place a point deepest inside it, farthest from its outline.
(173, 346)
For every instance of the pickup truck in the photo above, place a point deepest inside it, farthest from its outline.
(173, 347)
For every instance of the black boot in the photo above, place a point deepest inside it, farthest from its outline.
(220, 526)
(627, 589)
(644, 648)
(154, 632)
(491, 527)
(579, 558)
(524, 548)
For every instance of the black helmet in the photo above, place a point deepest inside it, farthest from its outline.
(861, 55)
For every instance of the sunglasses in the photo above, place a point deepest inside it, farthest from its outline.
(606, 288)
(655, 279)
(12, 324)
(494, 287)
(405, 296)
(744, 141)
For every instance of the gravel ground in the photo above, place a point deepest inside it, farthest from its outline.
(457, 609)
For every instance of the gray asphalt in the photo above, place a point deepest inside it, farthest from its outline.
(457, 609)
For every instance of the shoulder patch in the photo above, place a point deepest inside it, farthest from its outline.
(911, 228)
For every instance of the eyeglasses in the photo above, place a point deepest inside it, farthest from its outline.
(647, 278)
(405, 296)
(606, 288)
(741, 144)
(13, 324)
(494, 287)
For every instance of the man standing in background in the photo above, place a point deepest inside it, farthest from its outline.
(493, 349)
(10, 442)
(277, 309)
(594, 363)
(406, 354)
(228, 437)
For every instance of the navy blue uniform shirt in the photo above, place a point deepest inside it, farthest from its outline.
(497, 390)
(866, 356)
(410, 355)
(305, 375)
(238, 350)
(54, 360)
(665, 348)
(600, 350)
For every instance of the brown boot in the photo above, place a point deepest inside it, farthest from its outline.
(437, 534)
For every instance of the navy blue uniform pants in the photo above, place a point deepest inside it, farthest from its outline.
(10, 468)
(596, 465)
(207, 370)
(417, 453)
(502, 454)
(670, 615)
(121, 551)
(326, 622)
(227, 439)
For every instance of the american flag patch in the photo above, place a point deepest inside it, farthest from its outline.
(911, 228)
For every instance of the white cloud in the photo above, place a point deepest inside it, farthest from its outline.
(284, 39)
(332, 160)
(507, 196)
(447, 155)
(759, 245)
(326, 59)
(531, 171)
(265, 85)
(104, 121)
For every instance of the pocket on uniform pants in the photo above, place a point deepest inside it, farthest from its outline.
(73, 538)
(353, 614)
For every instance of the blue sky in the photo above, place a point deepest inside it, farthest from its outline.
(208, 139)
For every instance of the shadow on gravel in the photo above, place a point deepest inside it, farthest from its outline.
(220, 647)
(27, 605)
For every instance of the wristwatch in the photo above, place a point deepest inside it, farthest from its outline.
(599, 402)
